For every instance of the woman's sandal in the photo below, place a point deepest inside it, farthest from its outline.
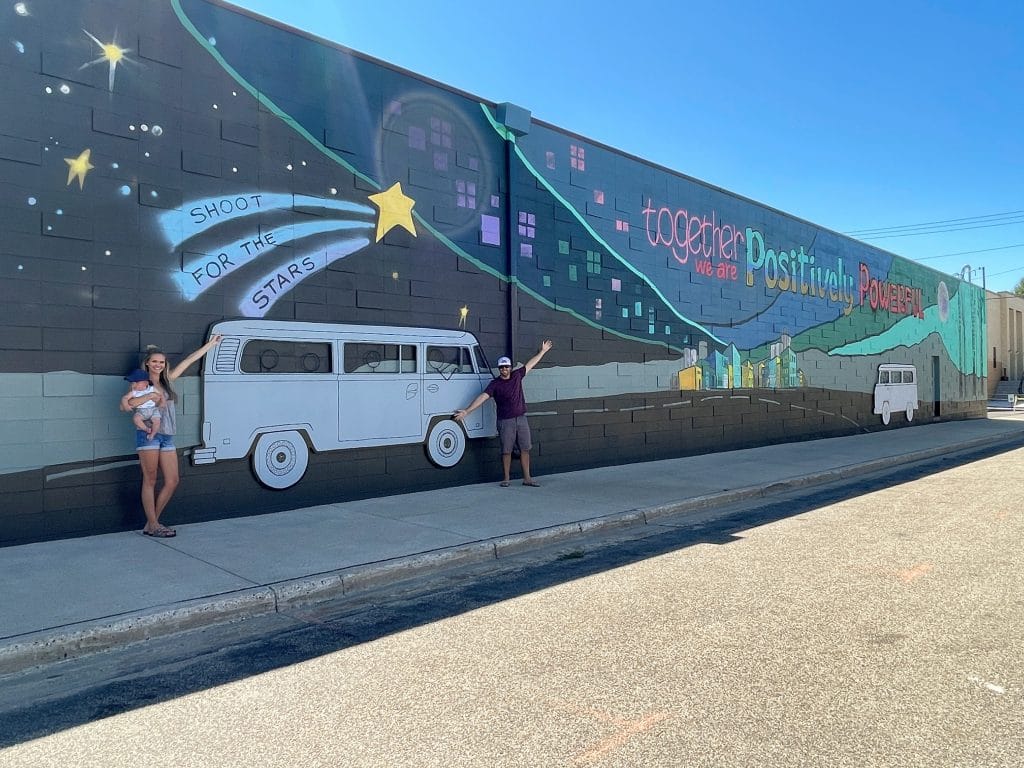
(160, 533)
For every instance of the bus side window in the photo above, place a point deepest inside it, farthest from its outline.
(449, 360)
(276, 356)
(442, 360)
(408, 358)
(883, 377)
(364, 357)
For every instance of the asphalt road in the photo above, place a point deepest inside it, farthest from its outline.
(877, 623)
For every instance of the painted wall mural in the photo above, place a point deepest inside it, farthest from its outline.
(175, 166)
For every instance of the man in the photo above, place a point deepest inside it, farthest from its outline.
(507, 391)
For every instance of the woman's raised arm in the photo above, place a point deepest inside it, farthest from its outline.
(184, 365)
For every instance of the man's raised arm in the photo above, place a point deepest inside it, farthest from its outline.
(544, 347)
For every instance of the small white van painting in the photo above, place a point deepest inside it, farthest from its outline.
(896, 390)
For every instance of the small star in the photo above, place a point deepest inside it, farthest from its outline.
(395, 210)
(78, 167)
(113, 54)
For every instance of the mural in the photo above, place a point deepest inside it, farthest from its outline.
(159, 179)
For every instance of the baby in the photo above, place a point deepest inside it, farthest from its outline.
(145, 416)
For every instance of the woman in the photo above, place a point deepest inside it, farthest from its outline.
(158, 455)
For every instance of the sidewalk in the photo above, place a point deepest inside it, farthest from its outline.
(72, 597)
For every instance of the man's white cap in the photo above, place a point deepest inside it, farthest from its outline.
(504, 361)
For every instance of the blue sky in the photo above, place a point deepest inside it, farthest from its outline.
(865, 117)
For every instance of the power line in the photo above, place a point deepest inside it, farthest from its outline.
(967, 253)
(940, 231)
(941, 222)
(1008, 271)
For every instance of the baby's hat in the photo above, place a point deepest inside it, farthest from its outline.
(137, 375)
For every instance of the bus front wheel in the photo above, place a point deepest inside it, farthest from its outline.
(280, 459)
(446, 443)
(886, 412)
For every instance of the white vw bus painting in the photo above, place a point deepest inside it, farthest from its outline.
(896, 390)
(273, 389)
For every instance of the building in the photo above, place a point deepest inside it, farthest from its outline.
(1005, 330)
(171, 165)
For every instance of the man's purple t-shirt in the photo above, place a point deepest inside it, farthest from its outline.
(508, 394)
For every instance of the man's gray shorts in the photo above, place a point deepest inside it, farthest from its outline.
(511, 431)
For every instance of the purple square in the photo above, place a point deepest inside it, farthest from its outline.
(490, 230)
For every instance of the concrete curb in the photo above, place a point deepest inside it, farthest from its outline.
(60, 643)
(361, 578)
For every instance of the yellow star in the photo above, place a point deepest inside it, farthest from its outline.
(78, 167)
(395, 210)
